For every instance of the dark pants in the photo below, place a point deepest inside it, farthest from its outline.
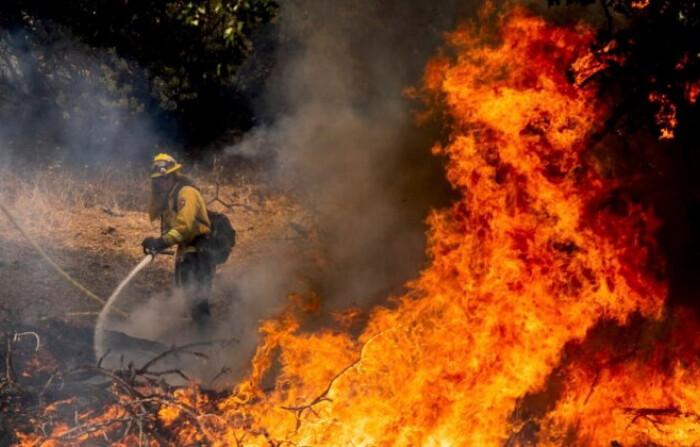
(194, 273)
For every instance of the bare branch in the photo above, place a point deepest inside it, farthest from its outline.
(9, 368)
(36, 336)
(217, 198)
(324, 395)
(104, 356)
(651, 414)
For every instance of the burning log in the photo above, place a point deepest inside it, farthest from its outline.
(656, 415)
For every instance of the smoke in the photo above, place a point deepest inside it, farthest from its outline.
(64, 109)
(336, 122)
(67, 101)
(335, 117)
(341, 131)
(160, 336)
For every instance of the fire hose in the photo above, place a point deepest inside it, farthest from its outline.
(84, 290)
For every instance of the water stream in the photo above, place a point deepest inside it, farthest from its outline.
(98, 345)
(162, 322)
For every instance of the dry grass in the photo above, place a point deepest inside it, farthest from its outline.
(92, 222)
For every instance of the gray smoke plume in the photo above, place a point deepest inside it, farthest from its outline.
(335, 116)
(67, 101)
(341, 133)
(335, 121)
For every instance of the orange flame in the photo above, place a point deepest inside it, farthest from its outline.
(666, 115)
(530, 259)
(640, 4)
(540, 252)
(648, 395)
(692, 91)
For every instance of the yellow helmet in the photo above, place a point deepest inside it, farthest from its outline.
(163, 164)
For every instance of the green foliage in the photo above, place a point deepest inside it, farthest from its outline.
(212, 41)
(188, 45)
(191, 51)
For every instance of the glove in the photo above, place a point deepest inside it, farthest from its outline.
(153, 245)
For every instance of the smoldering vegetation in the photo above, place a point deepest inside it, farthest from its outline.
(218, 352)
(158, 332)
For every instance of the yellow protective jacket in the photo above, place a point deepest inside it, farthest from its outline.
(185, 218)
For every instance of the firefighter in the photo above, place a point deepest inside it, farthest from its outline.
(184, 222)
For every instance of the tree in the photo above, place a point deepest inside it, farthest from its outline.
(190, 51)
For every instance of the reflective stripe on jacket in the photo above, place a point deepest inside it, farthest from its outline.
(185, 218)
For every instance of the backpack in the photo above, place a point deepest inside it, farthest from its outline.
(220, 240)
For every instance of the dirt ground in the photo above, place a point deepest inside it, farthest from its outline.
(92, 229)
